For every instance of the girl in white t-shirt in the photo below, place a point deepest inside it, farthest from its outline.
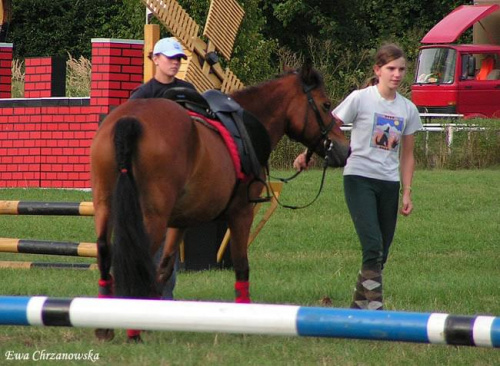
(380, 166)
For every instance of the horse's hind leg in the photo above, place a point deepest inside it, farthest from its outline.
(166, 273)
(157, 207)
(104, 264)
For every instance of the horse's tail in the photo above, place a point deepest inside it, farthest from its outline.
(132, 261)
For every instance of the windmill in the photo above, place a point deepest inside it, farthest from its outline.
(202, 67)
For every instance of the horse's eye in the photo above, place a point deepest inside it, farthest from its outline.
(327, 106)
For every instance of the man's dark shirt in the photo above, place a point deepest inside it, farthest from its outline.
(154, 89)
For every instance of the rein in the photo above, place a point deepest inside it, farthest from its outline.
(325, 165)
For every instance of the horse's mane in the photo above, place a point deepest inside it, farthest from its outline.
(306, 75)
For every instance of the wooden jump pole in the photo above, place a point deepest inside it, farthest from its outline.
(28, 246)
(46, 208)
(31, 265)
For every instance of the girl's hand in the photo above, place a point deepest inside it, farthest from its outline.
(407, 204)
(300, 162)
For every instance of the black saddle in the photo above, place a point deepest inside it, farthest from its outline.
(250, 135)
(190, 99)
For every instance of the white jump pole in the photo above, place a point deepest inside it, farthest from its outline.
(288, 320)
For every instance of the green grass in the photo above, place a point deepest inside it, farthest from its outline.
(444, 259)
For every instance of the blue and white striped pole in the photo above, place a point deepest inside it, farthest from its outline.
(286, 320)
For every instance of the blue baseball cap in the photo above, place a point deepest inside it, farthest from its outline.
(169, 47)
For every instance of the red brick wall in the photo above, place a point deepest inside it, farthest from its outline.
(45, 141)
(115, 71)
(5, 70)
(43, 77)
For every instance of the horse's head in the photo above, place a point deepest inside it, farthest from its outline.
(310, 121)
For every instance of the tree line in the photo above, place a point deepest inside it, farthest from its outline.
(339, 36)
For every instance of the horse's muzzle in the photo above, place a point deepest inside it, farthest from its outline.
(337, 154)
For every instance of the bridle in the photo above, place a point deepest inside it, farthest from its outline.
(324, 129)
(310, 149)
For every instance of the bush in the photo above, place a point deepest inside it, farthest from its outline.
(78, 77)
(17, 79)
(476, 145)
(285, 152)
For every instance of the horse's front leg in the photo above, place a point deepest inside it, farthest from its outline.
(166, 272)
(239, 225)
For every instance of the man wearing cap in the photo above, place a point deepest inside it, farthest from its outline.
(166, 55)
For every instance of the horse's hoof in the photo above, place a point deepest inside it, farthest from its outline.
(135, 339)
(105, 334)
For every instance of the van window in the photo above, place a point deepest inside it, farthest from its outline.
(488, 67)
(436, 66)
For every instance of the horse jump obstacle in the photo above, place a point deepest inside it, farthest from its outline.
(42, 246)
(46, 247)
(286, 320)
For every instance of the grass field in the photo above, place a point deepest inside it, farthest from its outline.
(444, 259)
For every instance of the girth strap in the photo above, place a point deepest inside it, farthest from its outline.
(248, 149)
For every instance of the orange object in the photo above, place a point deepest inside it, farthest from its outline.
(487, 65)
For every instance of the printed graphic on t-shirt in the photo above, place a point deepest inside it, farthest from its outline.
(387, 131)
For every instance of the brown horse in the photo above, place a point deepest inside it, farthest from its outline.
(154, 167)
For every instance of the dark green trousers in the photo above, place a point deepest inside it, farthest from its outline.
(373, 205)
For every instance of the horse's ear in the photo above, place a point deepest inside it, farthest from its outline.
(306, 71)
(286, 68)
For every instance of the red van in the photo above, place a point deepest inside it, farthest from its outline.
(458, 78)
